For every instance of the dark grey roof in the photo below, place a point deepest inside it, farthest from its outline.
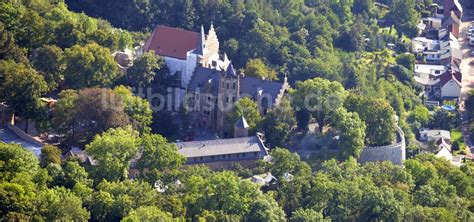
(220, 147)
(230, 70)
(253, 86)
(205, 77)
(242, 123)
(249, 86)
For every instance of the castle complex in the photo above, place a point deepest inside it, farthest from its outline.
(209, 84)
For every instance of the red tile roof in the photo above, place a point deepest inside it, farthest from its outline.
(171, 42)
(446, 77)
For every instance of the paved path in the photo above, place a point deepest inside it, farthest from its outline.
(8, 136)
(467, 71)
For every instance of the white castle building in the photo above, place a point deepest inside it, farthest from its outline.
(184, 50)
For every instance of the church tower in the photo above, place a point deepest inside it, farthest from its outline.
(241, 128)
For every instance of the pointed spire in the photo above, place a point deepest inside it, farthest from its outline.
(242, 123)
(212, 32)
(230, 71)
(200, 44)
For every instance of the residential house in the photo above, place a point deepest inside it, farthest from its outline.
(427, 135)
(438, 81)
(428, 76)
(450, 85)
(452, 6)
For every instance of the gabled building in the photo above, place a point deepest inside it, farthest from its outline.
(184, 51)
(243, 149)
(438, 81)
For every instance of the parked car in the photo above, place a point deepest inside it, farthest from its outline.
(472, 52)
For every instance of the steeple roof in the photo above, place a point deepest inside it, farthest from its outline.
(230, 70)
(242, 123)
(200, 44)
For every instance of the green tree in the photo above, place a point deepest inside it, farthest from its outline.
(8, 48)
(378, 116)
(32, 32)
(18, 169)
(137, 109)
(113, 201)
(266, 208)
(22, 88)
(320, 97)
(287, 162)
(144, 69)
(407, 60)
(75, 174)
(306, 215)
(50, 154)
(113, 150)
(351, 133)
(248, 109)
(17, 161)
(60, 204)
(64, 121)
(404, 16)
(279, 123)
(89, 66)
(148, 213)
(443, 119)
(158, 154)
(420, 114)
(258, 68)
(83, 114)
(48, 61)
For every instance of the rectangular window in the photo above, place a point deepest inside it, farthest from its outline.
(212, 157)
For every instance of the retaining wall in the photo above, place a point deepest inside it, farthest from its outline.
(394, 153)
(20, 133)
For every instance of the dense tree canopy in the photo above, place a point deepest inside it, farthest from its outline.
(144, 69)
(89, 66)
(22, 88)
(82, 114)
(343, 76)
(113, 150)
(48, 61)
(320, 97)
(379, 118)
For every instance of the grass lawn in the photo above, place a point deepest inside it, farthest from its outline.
(456, 135)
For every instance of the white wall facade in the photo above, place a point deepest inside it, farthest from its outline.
(451, 89)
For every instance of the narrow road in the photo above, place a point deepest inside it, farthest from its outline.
(467, 71)
(8, 136)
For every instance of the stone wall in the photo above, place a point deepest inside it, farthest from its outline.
(394, 153)
(20, 133)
